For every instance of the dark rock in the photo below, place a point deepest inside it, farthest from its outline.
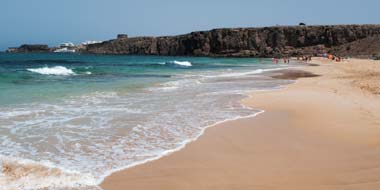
(122, 36)
(30, 48)
(245, 42)
(376, 56)
(367, 47)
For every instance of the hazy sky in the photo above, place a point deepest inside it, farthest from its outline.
(55, 21)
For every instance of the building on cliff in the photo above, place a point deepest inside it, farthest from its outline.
(67, 47)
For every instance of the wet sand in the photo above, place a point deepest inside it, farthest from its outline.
(320, 133)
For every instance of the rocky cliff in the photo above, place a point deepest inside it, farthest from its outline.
(363, 48)
(243, 42)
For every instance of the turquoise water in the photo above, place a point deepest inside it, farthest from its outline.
(18, 85)
(87, 116)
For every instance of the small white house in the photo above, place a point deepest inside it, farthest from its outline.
(66, 45)
(91, 42)
(64, 50)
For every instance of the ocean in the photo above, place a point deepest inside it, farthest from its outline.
(67, 121)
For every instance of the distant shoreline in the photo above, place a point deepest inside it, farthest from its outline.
(264, 42)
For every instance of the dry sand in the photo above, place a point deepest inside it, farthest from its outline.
(321, 133)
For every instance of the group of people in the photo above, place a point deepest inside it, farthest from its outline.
(304, 58)
(333, 57)
(284, 60)
(308, 58)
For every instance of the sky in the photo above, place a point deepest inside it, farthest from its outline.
(55, 21)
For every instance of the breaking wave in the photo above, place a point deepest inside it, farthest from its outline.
(183, 63)
(77, 141)
(57, 70)
(178, 63)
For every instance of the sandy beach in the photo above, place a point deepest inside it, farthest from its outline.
(320, 133)
(190, 95)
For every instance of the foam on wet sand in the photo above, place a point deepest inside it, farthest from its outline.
(320, 133)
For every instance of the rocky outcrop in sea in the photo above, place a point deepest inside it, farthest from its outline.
(30, 48)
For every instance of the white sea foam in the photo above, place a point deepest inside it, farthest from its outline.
(176, 84)
(239, 74)
(93, 135)
(30, 175)
(182, 63)
(56, 70)
(177, 63)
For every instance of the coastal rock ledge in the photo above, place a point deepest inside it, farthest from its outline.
(250, 42)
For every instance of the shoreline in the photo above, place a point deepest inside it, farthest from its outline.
(83, 164)
(186, 143)
(293, 76)
(168, 171)
(172, 151)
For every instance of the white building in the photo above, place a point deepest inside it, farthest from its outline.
(91, 42)
(66, 45)
(64, 50)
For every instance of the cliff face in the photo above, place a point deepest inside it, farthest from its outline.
(363, 48)
(242, 42)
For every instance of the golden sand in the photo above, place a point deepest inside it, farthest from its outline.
(321, 133)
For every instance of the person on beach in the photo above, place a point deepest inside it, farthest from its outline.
(275, 60)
